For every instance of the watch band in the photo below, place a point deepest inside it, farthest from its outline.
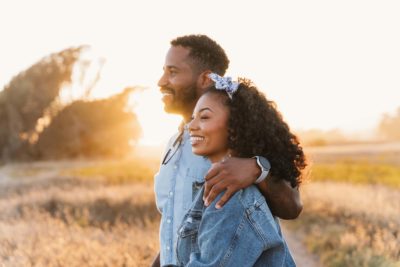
(264, 169)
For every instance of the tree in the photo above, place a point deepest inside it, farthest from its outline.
(389, 126)
(91, 128)
(29, 96)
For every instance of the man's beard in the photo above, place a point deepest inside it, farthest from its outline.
(183, 100)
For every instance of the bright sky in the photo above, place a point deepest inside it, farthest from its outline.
(327, 64)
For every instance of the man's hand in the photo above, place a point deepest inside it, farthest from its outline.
(231, 175)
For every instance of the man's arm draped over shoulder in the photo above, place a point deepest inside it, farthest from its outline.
(283, 199)
(234, 174)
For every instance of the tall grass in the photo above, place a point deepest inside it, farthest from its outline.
(357, 172)
(117, 172)
(77, 221)
(351, 225)
(351, 213)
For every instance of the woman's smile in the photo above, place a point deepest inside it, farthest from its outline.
(196, 139)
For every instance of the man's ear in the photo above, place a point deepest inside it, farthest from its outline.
(204, 81)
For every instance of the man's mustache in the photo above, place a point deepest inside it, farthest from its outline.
(167, 90)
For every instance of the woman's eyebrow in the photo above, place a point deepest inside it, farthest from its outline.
(200, 111)
(203, 109)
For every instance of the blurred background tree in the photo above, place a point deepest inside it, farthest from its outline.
(27, 98)
(389, 127)
(40, 117)
(91, 129)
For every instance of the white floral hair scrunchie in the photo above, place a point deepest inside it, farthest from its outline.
(224, 83)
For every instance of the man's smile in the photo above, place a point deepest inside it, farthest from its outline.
(167, 94)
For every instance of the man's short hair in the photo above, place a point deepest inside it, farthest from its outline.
(205, 52)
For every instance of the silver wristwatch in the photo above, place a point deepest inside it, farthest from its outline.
(265, 166)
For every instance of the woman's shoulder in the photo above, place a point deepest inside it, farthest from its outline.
(245, 199)
(259, 214)
(251, 205)
(251, 196)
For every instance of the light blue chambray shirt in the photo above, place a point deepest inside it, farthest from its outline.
(176, 184)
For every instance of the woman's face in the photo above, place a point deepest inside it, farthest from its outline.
(209, 128)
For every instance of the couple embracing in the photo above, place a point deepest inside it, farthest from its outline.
(230, 172)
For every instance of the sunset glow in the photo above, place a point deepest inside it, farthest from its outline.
(326, 64)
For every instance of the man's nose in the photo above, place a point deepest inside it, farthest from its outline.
(163, 81)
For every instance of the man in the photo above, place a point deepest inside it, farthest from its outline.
(188, 63)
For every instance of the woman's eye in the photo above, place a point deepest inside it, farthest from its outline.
(204, 117)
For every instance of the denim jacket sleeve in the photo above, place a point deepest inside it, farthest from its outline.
(242, 233)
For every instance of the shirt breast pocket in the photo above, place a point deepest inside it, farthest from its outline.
(193, 183)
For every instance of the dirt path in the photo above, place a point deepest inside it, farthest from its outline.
(299, 252)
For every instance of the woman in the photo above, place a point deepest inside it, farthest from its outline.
(235, 119)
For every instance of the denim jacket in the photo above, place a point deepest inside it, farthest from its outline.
(241, 233)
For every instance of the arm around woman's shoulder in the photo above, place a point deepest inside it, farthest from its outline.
(283, 199)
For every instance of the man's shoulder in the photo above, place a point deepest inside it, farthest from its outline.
(173, 138)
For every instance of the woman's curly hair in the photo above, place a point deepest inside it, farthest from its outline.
(256, 128)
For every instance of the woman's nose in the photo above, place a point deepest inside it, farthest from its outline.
(192, 125)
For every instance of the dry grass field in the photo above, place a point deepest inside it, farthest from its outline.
(350, 225)
(102, 213)
(351, 211)
(52, 219)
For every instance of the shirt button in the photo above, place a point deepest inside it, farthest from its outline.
(168, 221)
(168, 248)
(175, 166)
(170, 193)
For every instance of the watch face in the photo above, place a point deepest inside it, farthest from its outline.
(265, 163)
